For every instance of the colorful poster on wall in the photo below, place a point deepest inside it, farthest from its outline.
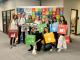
(41, 11)
(20, 10)
(28, 12)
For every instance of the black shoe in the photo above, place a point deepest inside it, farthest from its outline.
(30, 49)
(11, 47)
(14, 45)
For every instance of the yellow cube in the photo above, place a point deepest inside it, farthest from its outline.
(49, 37)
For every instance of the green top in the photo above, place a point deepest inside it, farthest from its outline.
(41, 27)
(29, 21)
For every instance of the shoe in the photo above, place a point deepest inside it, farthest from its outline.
(59, 50)
(51, 50)
(11, 46)
(55, 49)
(14, 45)
(30, 49)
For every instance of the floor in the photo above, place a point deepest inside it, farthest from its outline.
(20, 52)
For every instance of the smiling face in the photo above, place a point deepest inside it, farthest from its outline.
(33, 29)
(46, 30)
(61, 18)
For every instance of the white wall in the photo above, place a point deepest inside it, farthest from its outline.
(12, 4)
(52, 3)
(1, 25)
(68, 5)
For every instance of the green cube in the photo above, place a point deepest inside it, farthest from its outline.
(39, 9)
(41, 27)
(50, 12)
(30, 39)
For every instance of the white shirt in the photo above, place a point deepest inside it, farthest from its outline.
(13, 25)
(21, 21)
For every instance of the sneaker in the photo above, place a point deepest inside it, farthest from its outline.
(14, 44)
(11, 46)
(55, 49)
(51, 50)
(59, 50)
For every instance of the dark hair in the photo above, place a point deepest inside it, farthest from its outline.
(64, 21)
(63, 17)
(47, 28)
(14, 15)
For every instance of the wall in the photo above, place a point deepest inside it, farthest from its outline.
(1, 25)
(12, 4)
(68, 5)
(52, 3)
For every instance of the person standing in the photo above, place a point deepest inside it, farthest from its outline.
(13, 29)
(21, 22)
(61, 41)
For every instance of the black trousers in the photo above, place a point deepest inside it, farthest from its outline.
(39, 44)
(12, 41)
(19, 33)
(56, 37)
(23, 37)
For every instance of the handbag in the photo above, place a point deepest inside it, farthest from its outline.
(13, 33)
(62, 29)
(41, 27)
(49, 37)
(54, 27)
(30, 39)
(67, 37)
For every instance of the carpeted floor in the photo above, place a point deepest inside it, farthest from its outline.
(20, 52)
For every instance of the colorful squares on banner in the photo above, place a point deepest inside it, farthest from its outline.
(33, 16)
(28, 10)
(47, 13)
(54, 12)
(38, 13)
(33, 9)
(62, 9)
(54, 9)
(44, 9)
(58, 9)
(20, 10)
(39, 9)
(50, 12)
(53, 16)
(50, 9)
(58, 17)
(43, 12)
(44, 16)
(33, 13)
(36, 9)
(61, 13)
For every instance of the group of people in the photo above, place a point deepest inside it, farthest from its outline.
(19, 20)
